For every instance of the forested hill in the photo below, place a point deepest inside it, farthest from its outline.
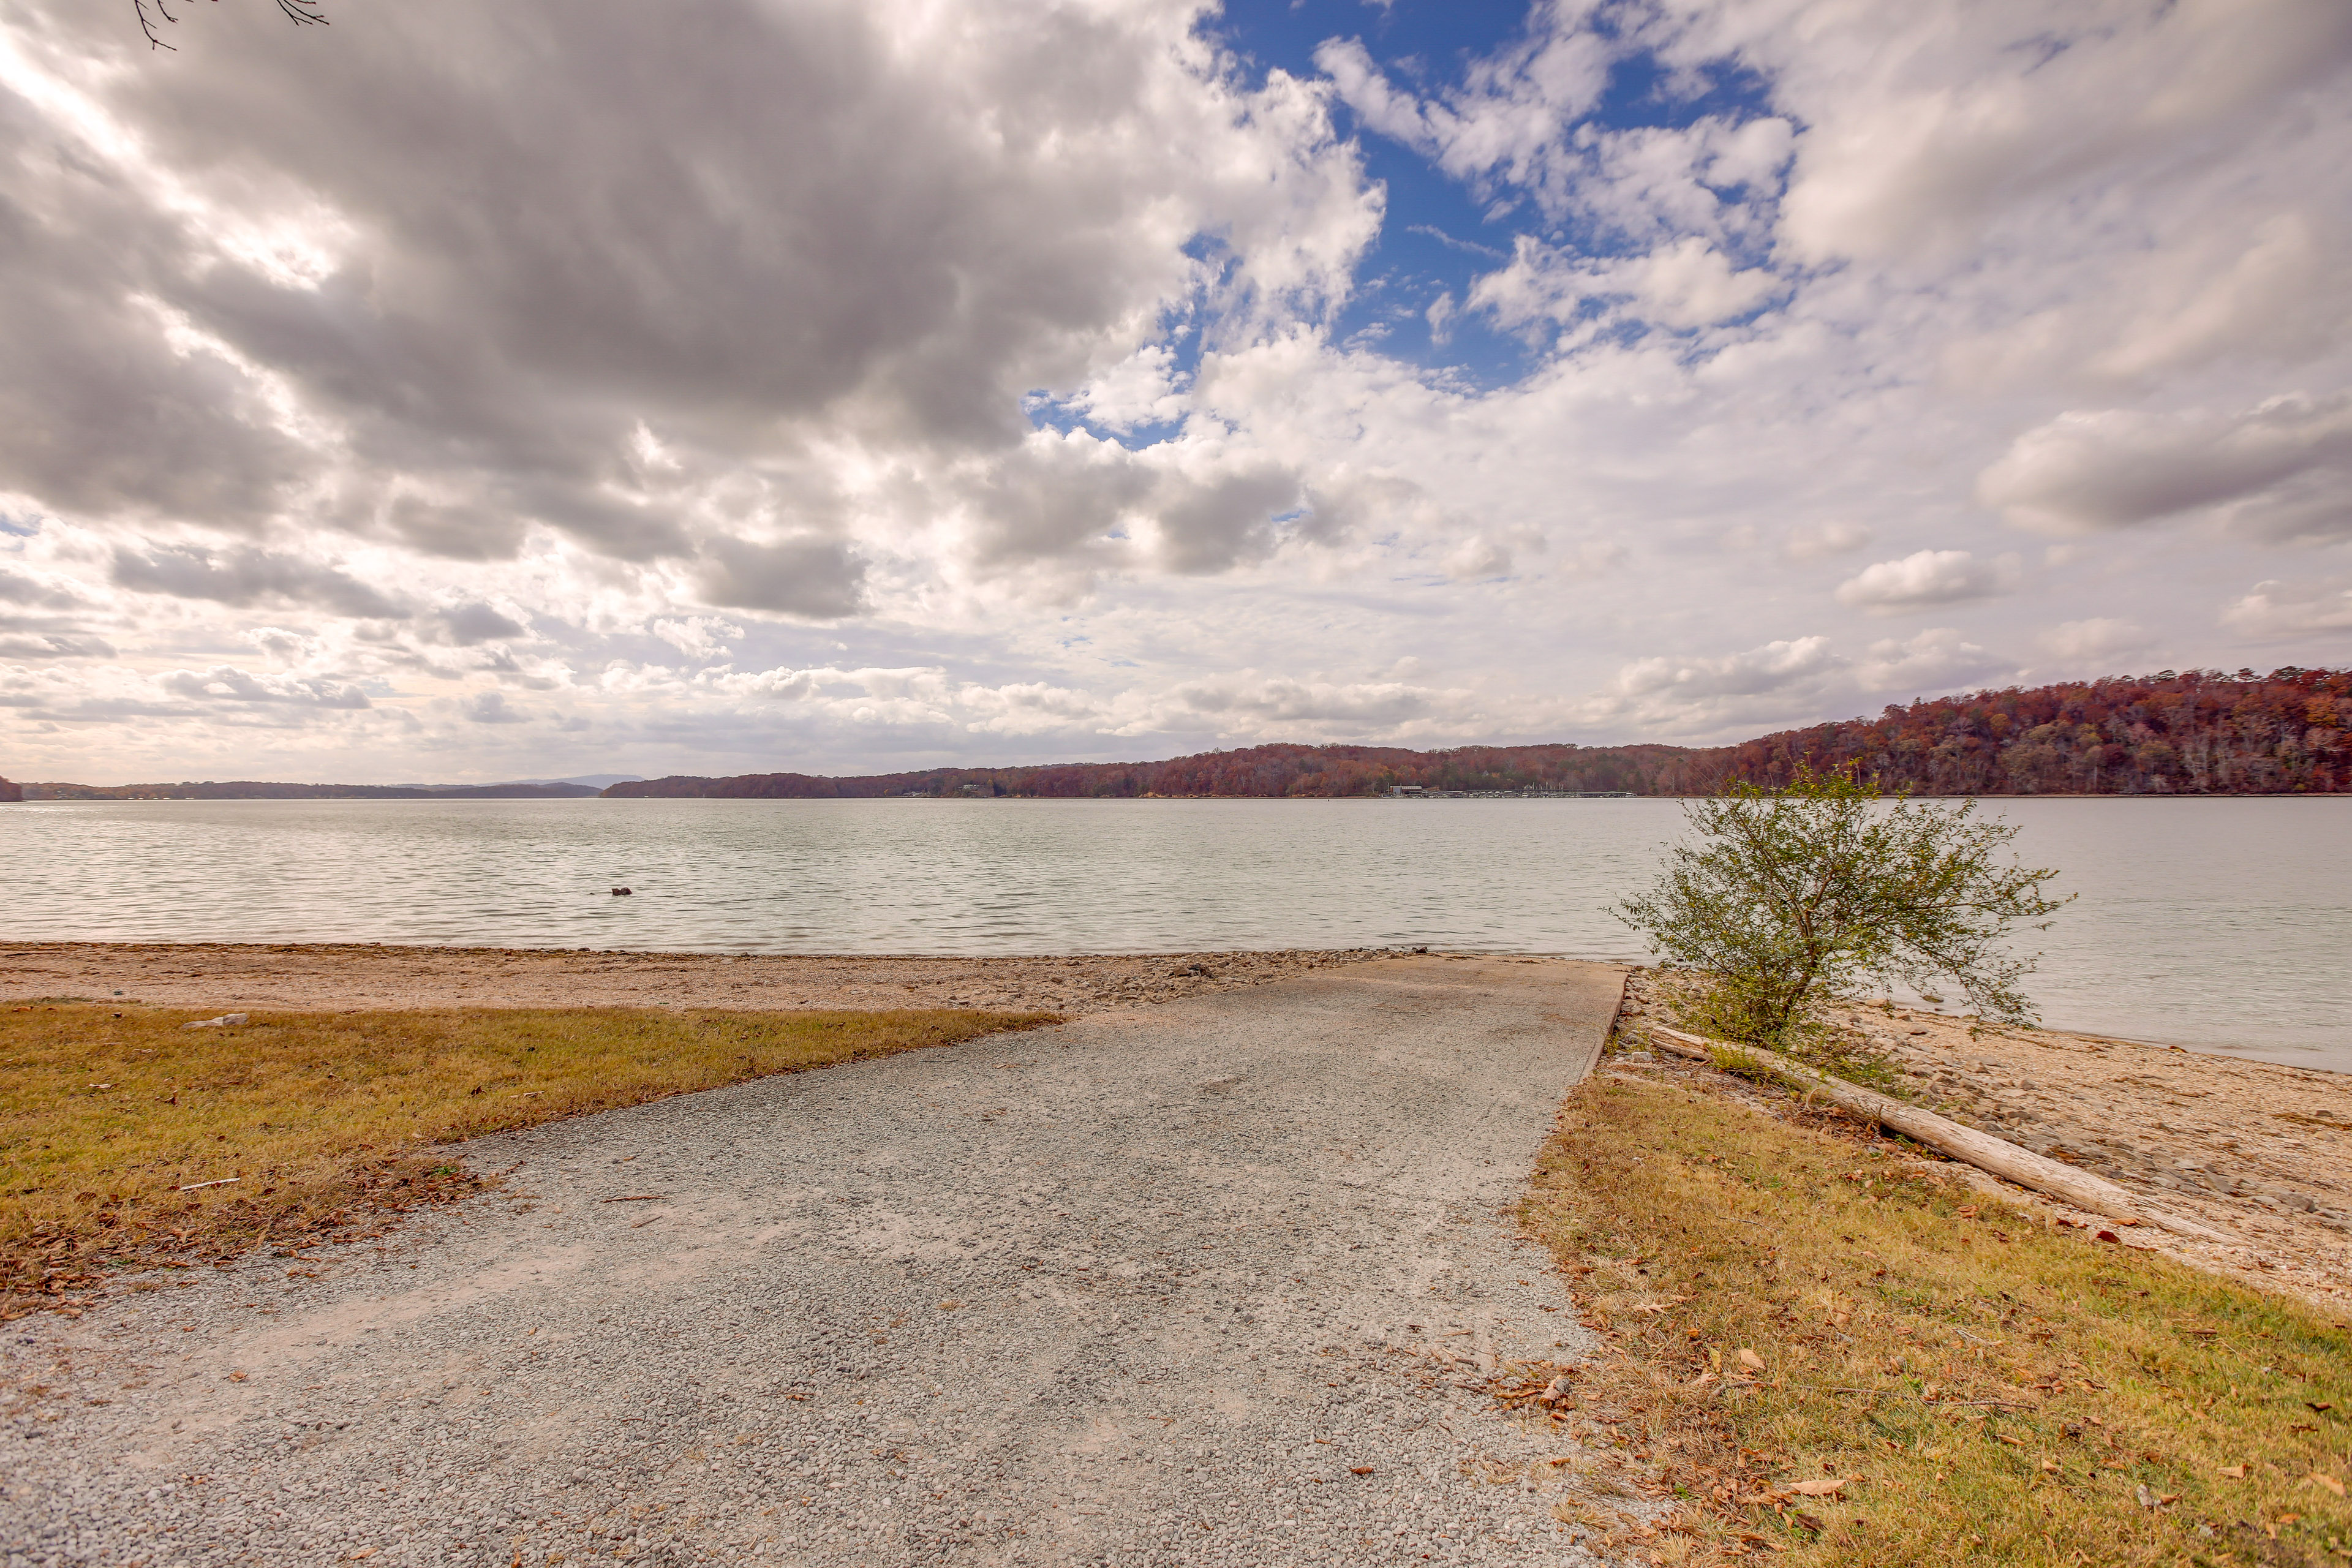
(2194, 733)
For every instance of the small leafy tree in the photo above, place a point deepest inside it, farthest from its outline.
(1795, 896)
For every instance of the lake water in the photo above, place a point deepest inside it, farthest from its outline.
(2219, 924)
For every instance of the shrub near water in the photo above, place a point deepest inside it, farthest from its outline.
(107, 1112)
(2011, 1395)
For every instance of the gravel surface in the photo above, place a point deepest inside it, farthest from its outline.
(330, 976)
(1215, 1282)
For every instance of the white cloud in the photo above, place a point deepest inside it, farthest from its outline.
(697, 637)
(2313, 610)
(1683, 285)
(2280, 470)
(1950, 120)
(2095, 638)
(1771, 668)
(1928, 577)
(1935, 660)
(490, 708)
(1248, 704)
(1832, 536)
(704, 459)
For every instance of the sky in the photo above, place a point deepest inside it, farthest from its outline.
(463, 392)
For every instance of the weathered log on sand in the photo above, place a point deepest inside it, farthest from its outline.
(2093, 1195)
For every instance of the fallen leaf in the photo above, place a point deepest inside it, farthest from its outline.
(1749, 1358)
(1968, 1213)
(2330, 1482)
(1360, 1469)
(950, 1306)
(236, 1377)
(1825, 1488)
(1808, 1522)
(2109, 1236)
(2318, 1409)
(2234, 1472)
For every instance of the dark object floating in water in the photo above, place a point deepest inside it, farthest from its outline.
(619, 892)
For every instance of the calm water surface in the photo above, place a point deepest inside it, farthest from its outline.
(2221, 924)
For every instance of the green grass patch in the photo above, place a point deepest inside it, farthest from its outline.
(1990, 1389)
(315, 1123)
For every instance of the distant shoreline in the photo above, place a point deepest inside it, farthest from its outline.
(98, 795)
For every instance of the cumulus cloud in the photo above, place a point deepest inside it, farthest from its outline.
(817, 578)
(490, 708)
(902, 382)
(2279, 471)
(1920, 156)
(1686, 284)
(1935, 660)
(1279, 704)
(22, 645)
(2278, 611)
(1830, 536)
(36, 593)
(247, 575)
(469, 625)
(1771, 668)
(2095, 638)
(1708, 697)
(1926, 578)
(697, 637)
(227, 683)
(947, 235)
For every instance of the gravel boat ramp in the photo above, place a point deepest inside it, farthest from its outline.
(1215, 1281)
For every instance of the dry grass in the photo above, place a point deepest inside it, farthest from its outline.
(326, 1120)
(1990, 1389)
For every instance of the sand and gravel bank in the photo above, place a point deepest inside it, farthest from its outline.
(324, 976)
(2258, 1150)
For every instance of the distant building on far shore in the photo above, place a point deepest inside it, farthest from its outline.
(11, 791)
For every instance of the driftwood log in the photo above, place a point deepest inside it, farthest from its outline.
(2091, 1194)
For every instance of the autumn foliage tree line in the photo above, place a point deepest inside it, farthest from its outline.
(2193, 732)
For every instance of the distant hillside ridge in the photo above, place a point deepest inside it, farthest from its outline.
(1254, 772)
(2194, 732)
(2199, 732)
(248, 789)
